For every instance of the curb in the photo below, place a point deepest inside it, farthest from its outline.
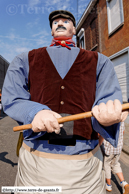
(126, 152)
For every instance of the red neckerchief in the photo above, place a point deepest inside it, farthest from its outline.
(63, 41)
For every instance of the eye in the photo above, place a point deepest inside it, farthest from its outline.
(55, 22)
(66, 21)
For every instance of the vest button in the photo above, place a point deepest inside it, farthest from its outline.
(62, 87)
(63, 42)
(62, 102)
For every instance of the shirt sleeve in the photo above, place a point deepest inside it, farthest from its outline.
(16, 99)
(107, 88)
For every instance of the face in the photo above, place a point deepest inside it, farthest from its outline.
(63, 27)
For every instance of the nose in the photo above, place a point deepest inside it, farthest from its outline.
(60, 23)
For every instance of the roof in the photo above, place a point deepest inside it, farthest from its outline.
(85, 14)
(4, 59)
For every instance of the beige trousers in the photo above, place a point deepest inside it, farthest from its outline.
(111, 163)
(76, 174)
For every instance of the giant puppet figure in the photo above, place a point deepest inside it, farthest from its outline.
(62, 79)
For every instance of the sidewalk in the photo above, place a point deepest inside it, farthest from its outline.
(126, 139)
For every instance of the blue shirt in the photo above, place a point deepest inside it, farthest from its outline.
(17, 104)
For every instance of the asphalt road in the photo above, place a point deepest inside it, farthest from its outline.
(8, 158)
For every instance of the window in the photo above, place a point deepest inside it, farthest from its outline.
(81, 38)
(115, 15)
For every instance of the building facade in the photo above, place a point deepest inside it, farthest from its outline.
(87, 28)
(104, 27)
(3, 68)
(114, 29)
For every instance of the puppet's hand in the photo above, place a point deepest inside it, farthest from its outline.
(46, 120)
(109, 113)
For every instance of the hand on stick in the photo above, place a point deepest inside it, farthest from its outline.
(109, 113)
(46, 120)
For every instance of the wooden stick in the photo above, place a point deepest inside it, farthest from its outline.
(68, 118)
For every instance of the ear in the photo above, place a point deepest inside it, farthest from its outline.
(74, 30)
(51, 33)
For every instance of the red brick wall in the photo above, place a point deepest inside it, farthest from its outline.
(91, 30)
(120, 38)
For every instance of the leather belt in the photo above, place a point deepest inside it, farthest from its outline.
(70, 141)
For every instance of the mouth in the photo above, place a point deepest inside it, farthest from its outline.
(60, 30)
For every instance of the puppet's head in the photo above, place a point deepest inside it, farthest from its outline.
(62, 23)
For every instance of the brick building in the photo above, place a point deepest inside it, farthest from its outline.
(3, 68)
(87, 28)
(104, 27)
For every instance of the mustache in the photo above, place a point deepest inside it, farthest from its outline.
(61, 27)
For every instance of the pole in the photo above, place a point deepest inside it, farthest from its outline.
(68, 118)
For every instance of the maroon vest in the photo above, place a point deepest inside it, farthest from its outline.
(74, 94)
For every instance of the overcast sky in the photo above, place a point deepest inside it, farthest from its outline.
(24, 24)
